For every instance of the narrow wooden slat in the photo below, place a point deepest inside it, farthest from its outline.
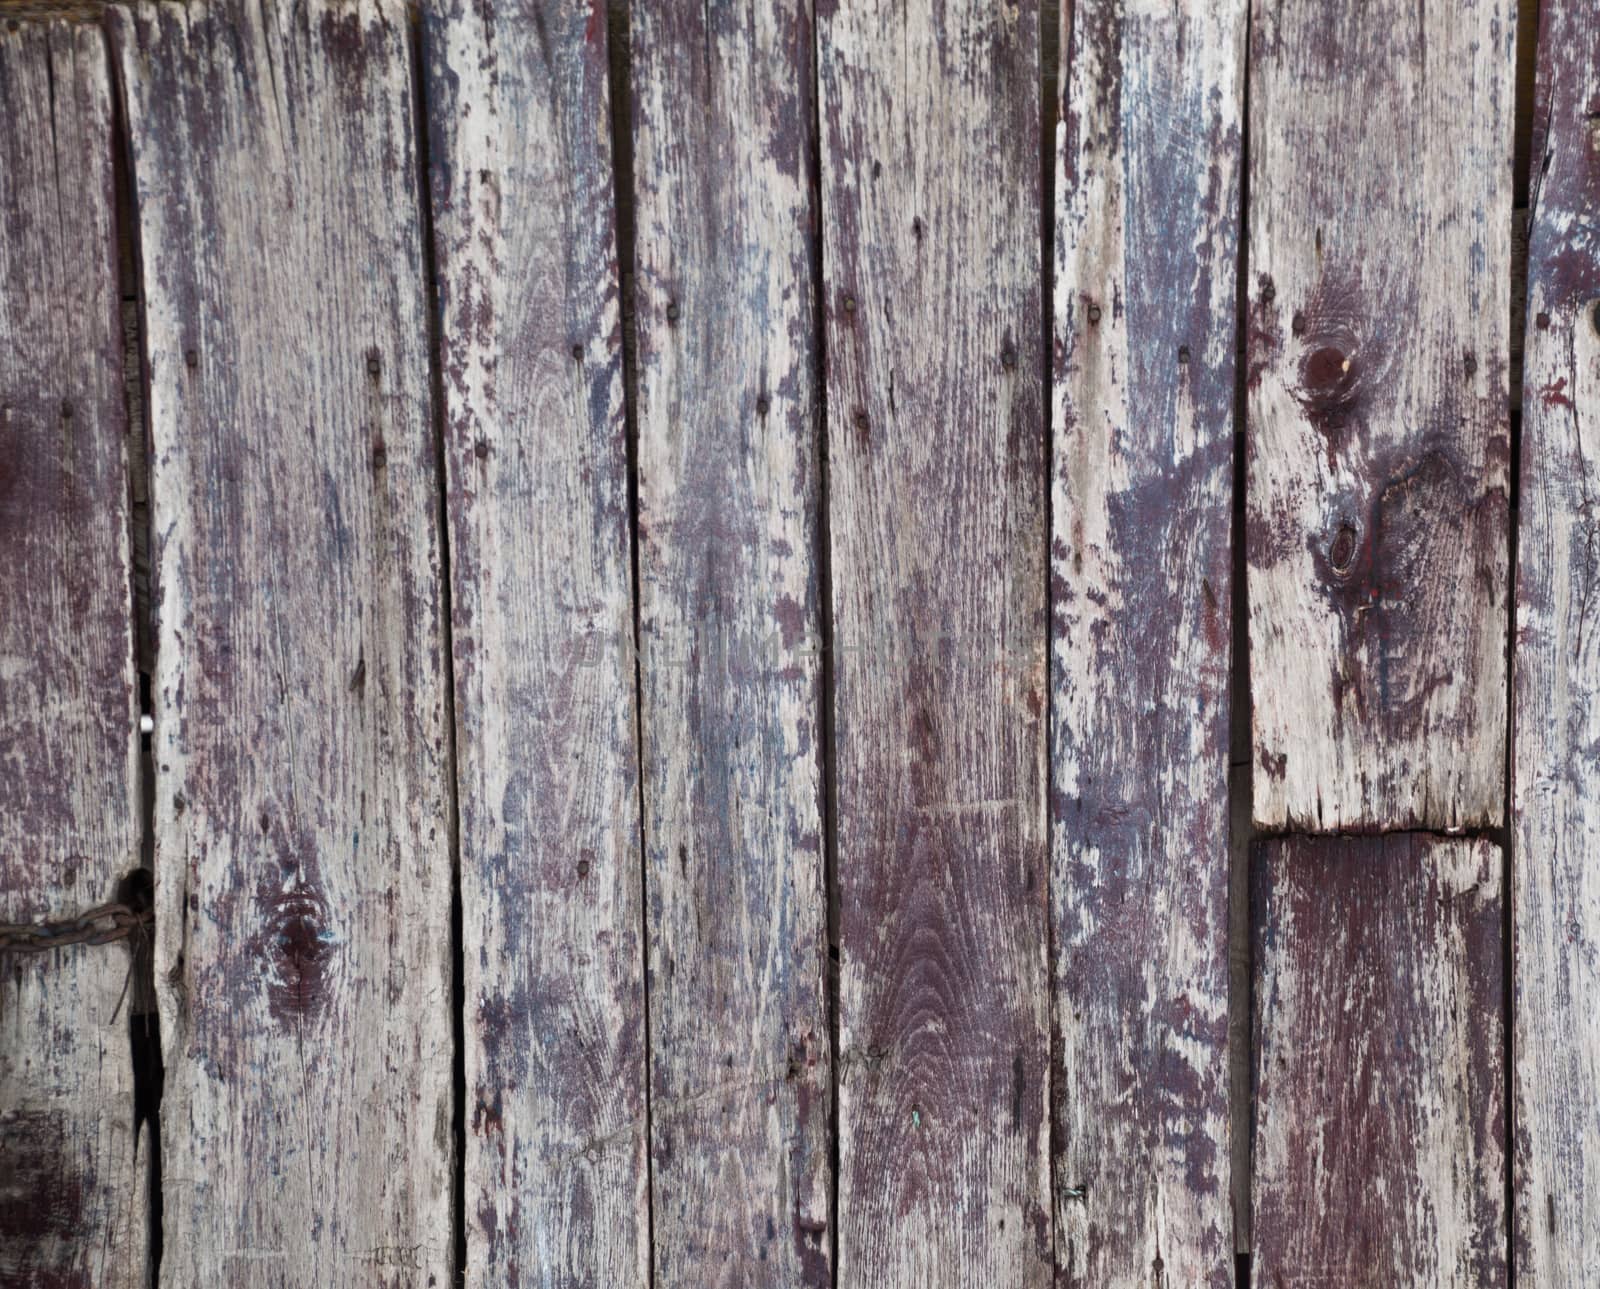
(930, 174)
(729, 633)
(535, 448)
(302, 824)
(1379, 1020)
(1146, 254)
(72, 1190)
(1556, 792)
(1378, 448)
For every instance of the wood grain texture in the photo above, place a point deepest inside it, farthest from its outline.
(1146, 254)
(730, 663)
(930, 185)
(72, 1171)
(1379, 1022)
(1556, 791)
(1378, 439)
(536, 455)
(302, 783)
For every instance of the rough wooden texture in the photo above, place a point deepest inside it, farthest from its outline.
(302, 840)
(1379, 1022)
(930, 175)
(72, 1193)
(1146, 257)
(1378, 446)
(1556, 771)
(728, 416)
(535, 449)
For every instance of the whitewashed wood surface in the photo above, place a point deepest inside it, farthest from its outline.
(72, 1169)
(1146, 251)
(302, 804)
(729, 421)
(1378, 448)
(1556, 772)
(556, 1188)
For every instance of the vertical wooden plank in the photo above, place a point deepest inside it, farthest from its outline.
(1146, 256)
(72, 1189)
(930, 174)
(1556, 794)
(302, 825)
(536, 454)
(1378, 448)
(729, 642)
(1379, 1019)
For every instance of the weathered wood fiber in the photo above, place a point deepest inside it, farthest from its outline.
(72, 1191)
(1378, 441)
(1146, 257)
(1379, 1021)
(535, 447)
(1556, 790)
(302, 795)
(930, 184)
(730, 663)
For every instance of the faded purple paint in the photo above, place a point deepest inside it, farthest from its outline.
(537, 507)
(1141, 607)
(1379, 1062)
(1557, 694)
(302, 845)
(930, 185)
(70, 1189)
(729, 589)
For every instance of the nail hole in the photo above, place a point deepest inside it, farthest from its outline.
(577, 353)
(1543, 321)
(1297, 324)
(1094, 315)
(672, 311)
(374, 363)
(191, 359)
(763, 404)
(1008, 357)
(66, 409)
(481, 449)
(1183, 354)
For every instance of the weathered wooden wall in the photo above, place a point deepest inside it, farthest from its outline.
(555, 1186)
(1378, 447)
(302, 836)
(730, 665)
(1556, 773)
(72, 1199)
(675, 762)
(932, 306)
(1379, 1141)
(1146, 251)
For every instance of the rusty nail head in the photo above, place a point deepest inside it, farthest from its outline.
(1008, 357)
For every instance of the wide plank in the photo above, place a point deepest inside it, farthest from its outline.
(1378, 443)
(72, 1161)
(536, 460)
(1147, 237)
(729, 628)
(1556, 766)
(302, 796)
(1379, 1063)
(933, 322)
